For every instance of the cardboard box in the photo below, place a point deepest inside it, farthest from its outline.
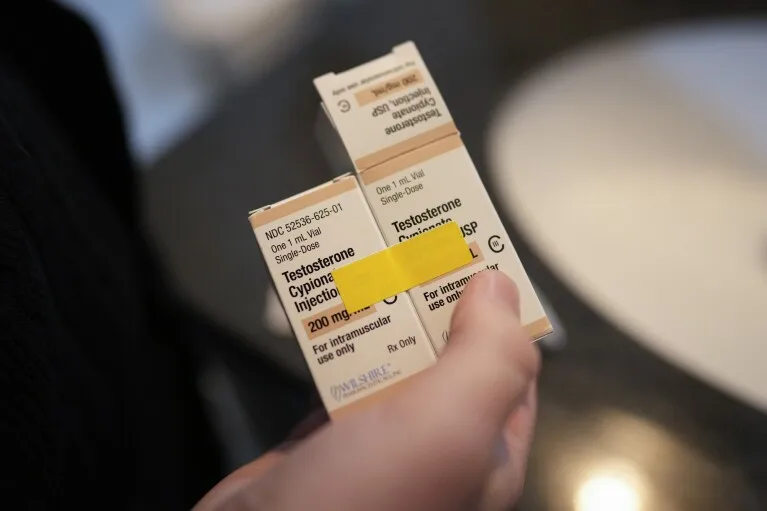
(416, 175)
(353, 358)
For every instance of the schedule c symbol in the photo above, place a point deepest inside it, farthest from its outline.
(495, 244)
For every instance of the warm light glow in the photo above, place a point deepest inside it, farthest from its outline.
(607, 493)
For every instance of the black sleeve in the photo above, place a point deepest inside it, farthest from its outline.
(31, 439)
(59, 55)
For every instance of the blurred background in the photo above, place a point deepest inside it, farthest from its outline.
(625, 145)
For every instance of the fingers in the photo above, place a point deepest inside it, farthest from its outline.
(306, 427)
(489, 361)
(505, 483)
(229, 492)
(486, 381)
(433, 445)
(226, 491)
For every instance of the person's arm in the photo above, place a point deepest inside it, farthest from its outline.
(31, 445)
(457, 439)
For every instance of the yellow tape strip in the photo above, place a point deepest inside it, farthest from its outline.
(401, 267)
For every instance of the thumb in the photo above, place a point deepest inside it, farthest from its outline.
(489, 357)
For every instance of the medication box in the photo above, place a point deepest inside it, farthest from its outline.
(353, 358)
(416, 175)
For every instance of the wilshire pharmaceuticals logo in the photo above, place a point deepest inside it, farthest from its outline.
(364, 381)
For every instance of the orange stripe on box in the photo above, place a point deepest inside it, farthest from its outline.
(411, 159)
(310, 197)
(539, 329)
(415, 142)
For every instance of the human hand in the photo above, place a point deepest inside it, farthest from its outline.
(457, 438)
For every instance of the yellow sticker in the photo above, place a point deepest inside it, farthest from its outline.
(401, 267)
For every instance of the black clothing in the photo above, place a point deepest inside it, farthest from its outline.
(98, 404)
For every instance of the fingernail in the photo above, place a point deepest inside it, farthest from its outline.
(496, 286)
